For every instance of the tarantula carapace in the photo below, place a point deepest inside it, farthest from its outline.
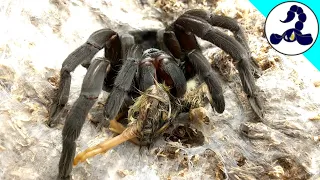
(135, 60)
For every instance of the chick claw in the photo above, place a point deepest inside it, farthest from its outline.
(103, 147)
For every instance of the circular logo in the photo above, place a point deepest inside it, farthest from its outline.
(291, 28)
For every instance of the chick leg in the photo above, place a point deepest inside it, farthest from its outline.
(118, 128)
(128, 133)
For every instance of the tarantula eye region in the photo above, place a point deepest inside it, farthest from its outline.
(155, 57)
(153, 52)
(163, 57)
(146, 61)
(150, 52)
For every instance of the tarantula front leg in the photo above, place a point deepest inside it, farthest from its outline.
(200, 27)
(83, 55)
(196, 62)
(91, 88)
(147, 73)
(230, 24)
(123, 82)
(203, 67)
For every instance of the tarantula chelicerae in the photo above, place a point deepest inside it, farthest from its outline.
(135, 60)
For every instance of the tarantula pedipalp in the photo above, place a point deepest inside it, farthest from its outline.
(135, 60)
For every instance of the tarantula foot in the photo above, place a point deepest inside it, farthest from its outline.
(55, 113)
(103, 147)
(256, 71)
(64, 178)
(256, 106)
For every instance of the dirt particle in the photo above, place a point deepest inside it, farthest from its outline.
(169, 152)
(123, 173)
(241, 161)
(287, 168)
(216, 166)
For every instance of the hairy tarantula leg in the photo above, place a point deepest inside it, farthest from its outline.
(223, 22)
(123, 82)
(239, 54)
(83, 54)
(91, 88)
(171, 42)
(230, 24)
(127, 134)
(203, 68)
(147, 74)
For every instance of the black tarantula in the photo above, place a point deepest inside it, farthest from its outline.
(134, 61)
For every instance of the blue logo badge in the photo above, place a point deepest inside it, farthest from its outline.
(291, 28)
